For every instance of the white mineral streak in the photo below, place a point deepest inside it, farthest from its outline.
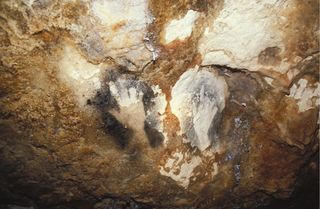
(123, 24)
(81, 76)
(180, 167)
(292, 73)
(268, 80)
(197, 97)
(181, 28)
(305, 93)
(215, 169)
(242, 30)
(29, 3)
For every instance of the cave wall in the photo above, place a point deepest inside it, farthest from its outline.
(169, 104)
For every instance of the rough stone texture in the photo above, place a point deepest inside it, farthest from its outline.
(159, 104)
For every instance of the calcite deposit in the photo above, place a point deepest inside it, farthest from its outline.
(186, 104)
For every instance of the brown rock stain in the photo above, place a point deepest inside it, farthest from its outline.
(15, 16)
(300, 32)
(73, 10)
(178, 56)
(270, 56)
(280, 78)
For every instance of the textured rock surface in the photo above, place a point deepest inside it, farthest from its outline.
(159, 104)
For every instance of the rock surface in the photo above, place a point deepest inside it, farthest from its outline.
(158, 104)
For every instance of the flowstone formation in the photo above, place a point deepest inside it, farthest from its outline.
(159, 104)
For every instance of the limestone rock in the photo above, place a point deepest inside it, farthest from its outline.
(159, 104)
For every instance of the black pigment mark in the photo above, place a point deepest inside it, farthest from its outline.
(214, 127)
(147, 98)
(200, 95)
(119, 71)
(191, 132)
(113, 127)
(154, 136)
(103, 100)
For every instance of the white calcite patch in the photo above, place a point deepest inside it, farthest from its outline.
(305, 93)
(80, 75)
(197, 98)
(160, 100)
(181, 28)
(268, 80)
(122, 26)
(180, 167)
(241, 31)
(131, 12)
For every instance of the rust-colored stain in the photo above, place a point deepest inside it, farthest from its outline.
(118, 26)
(300, 39)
